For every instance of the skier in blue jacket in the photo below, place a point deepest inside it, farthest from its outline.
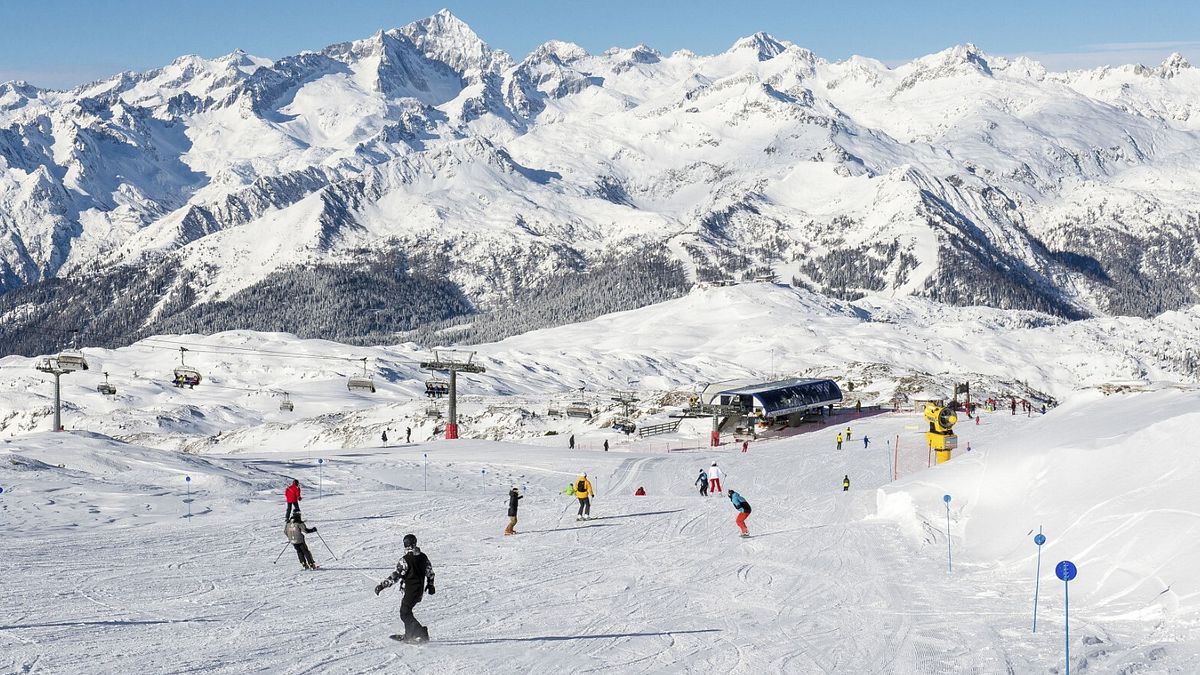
(743, 508)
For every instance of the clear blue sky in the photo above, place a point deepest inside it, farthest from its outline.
(60, 43)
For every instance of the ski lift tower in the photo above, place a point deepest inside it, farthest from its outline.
(453, 363)
(626, 398)
(52, 365)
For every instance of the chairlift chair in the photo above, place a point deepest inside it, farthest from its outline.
(286, 404)
(364, 382)
(579, 409)
(71, 360)
(185, 375)
(437, 387)
(433, 411)
(106, 388)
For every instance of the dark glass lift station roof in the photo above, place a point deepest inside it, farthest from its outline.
(785, 397)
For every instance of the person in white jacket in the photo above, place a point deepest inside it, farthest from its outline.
(715, 474)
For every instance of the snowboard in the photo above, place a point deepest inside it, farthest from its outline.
(424, 638)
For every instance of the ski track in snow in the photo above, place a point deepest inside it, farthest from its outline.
(112, 577)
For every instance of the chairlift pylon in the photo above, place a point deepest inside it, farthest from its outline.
(364, 382)
(185, 375)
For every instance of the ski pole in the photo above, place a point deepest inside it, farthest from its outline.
(326, 545)
(280, 553)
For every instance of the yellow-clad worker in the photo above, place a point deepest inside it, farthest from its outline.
(584, 493)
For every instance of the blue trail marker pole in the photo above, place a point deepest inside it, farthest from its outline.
(426, 456)
(949, 557)
(1066, 571)
(1038, 539)
(320, 477)
(188, 480)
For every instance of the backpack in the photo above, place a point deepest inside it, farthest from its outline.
(581, 486)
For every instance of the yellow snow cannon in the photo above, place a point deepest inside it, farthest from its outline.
(941, 431)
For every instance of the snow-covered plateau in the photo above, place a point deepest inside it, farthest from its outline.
(141, 538)
(297, 194)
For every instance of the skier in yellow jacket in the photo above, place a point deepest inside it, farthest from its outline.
(584, 493)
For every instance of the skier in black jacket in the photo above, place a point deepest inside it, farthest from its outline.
(513, 497)
(415, 574)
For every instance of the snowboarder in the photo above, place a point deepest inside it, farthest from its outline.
(606, 445)
(295, 530)
(839, 441)
(743, 508)
(640, 492)
(1043, 408)
(745, 446)
(571, 442)
(703, 481)
(715, 474)
(513, 497)
(584, 493)
(415, 574)
(408, 434)
(384, 437)
(292, 496)
(866, 442)
(847, 433)
(846, 483)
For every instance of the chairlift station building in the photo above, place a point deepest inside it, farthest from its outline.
(777, 399)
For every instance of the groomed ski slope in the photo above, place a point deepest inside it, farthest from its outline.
(104, 573)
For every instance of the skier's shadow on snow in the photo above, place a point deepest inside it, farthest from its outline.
(557, 638)
(635, 515)
(345, 520)
(567, 529)
(67, 624)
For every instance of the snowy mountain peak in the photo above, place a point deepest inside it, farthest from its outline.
(764, 46)
(564, 52)
(1173, 65)
(446, 38)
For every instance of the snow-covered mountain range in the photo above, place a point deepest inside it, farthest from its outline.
(418, 175)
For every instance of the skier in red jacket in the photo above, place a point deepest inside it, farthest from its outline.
(292, 495)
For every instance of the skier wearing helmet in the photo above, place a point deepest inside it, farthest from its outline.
(415, 574)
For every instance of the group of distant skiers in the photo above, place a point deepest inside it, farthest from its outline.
(407, 436)
(414, 571)
(845, 436)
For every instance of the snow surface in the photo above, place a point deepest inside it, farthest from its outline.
(105, 571)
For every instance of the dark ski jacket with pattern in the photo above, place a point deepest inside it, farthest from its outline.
(413, 571)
